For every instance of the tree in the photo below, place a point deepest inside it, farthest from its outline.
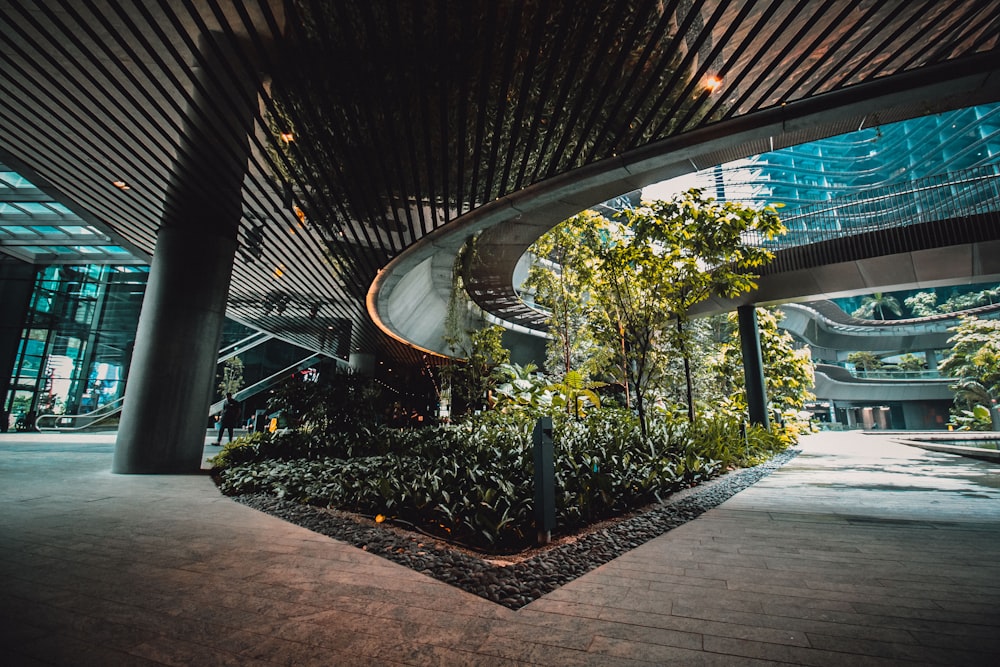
(974, 359)
(472, 379)
(788, 372)
(674, 254)
(232, 376)
(562, 282)
(866, 361)
(922, 304)
(878, 303)
(911, 362)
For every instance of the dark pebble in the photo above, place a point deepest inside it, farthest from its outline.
(516, 586)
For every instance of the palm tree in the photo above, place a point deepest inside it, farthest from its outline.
(877, 302)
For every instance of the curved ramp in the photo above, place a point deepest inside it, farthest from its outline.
(836, 383)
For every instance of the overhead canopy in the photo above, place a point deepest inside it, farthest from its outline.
(386, 129)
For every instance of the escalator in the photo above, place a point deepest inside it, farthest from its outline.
(106, 417)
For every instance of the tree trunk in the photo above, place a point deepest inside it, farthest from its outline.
(687, 370)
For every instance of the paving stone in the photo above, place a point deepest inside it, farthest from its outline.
(860, 551)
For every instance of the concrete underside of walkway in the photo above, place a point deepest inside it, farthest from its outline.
(860, 551)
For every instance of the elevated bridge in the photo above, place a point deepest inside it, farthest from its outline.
(935, 231)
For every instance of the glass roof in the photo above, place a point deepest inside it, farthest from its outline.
(39, 230)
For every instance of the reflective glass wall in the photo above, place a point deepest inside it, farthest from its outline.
(77, 340)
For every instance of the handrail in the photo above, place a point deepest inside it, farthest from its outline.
(244, 344)
(269, 381)
(958, 194)
(65, 422)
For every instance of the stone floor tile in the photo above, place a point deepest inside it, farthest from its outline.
(840, 557)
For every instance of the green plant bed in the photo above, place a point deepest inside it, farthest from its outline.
(472, 483)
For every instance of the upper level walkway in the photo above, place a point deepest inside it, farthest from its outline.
(860, 551)
(937, 230)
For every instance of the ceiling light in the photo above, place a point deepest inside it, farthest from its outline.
(121, 185)
(712, 83)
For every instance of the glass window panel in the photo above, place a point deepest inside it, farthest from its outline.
(35, 208)
(59, 208)
(78, 230)
(15, 180)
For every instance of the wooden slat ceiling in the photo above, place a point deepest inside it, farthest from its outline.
(379, 122)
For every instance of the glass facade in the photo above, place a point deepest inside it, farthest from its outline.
(816, 172)
(77, 339)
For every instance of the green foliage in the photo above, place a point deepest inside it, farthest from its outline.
(878, 303)
(925, 304)
(563, 282)
(976, 419)
(472, 380)
(911, 362)
(232, 376)
(673, 255)
(975, 353)
(788, 372)
(521, 387)
(472, 482)
(974, 360)
(864, 360)
(922, 304)
(575, 394)
(336, 405)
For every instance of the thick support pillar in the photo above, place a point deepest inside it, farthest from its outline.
(753, 366)
(172, 375)
(362, 363)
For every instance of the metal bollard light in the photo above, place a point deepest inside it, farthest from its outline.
(545, 480)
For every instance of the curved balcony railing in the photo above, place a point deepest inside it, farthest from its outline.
(962, 194)
(948, 209)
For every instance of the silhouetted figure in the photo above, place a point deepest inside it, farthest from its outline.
(229, 418)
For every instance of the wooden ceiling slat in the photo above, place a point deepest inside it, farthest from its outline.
(409, 115)
(709, 69)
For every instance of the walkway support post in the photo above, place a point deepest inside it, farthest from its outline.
(753, 365)
(172, 374)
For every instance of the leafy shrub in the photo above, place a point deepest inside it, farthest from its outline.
(473, 482)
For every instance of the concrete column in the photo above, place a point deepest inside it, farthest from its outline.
(363, 363)
(931, 356)
(172, 376)
(171, 380)
(753, 365)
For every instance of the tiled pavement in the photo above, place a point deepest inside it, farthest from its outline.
(858, 552)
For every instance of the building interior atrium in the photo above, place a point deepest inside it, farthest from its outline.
(311, 170)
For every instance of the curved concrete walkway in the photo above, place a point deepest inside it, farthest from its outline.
(861, 551)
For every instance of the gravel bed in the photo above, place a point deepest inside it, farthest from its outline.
(516, 581)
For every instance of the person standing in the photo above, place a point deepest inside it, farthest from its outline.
(229, 418)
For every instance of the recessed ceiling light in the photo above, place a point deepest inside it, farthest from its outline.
(121, 185)
(713, 83)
